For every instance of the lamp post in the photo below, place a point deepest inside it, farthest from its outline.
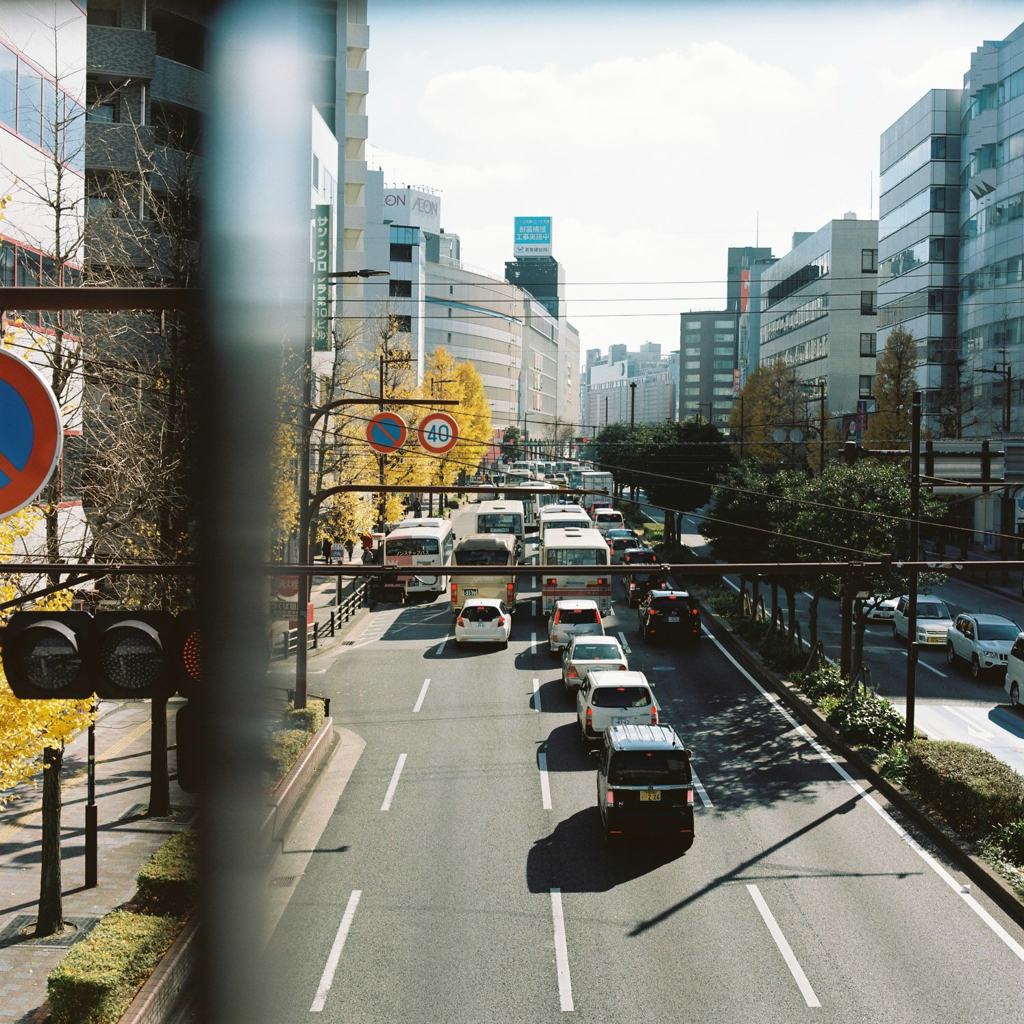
(440, 498)
(632, 404)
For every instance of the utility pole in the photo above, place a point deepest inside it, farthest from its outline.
(440, 497)
(632, 404)
(915, 512)
(385, 361)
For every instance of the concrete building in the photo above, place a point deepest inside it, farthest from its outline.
(739, 262)
(820, 310)
(751, 304)
(708, 381)
(641, 385)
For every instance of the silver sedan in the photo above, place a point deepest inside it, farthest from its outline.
(584, 653)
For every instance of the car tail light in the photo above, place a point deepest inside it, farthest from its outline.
(461, 621)
(654, 716)
(572, 672)
(501, 620)
(689, 797)
(510, 589)
(590, 715)
(632, 585)
(610, 798)
(622, 668)
(599, 618)
(455, 592)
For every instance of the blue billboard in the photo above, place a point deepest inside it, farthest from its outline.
(532, 236)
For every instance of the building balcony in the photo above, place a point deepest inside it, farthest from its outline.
(357, 81)
(354, 216)
(120, 52)
(357, 35)
(114, 147)
(178, 83)
(355, 172)
(357, 126)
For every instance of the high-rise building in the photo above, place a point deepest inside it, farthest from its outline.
(739, 261)
(708, 365)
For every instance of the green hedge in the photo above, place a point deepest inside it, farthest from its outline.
(169, 881)
(972, 790)
(283, 748)
(99, 977)
(867, 720)
(309, 718)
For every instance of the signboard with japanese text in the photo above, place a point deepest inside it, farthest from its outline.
(532, 236)
(321, 282)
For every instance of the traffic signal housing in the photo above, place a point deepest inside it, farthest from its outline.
(45, 655)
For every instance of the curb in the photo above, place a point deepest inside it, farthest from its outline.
(160, 993)
(993, 885)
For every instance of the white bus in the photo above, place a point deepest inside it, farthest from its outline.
(502, 517)
(568, 549)
(486, 549)
(564, 517)
(423, 548)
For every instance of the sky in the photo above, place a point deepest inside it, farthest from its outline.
(655, 134)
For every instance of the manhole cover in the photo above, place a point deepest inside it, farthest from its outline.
(347, 643)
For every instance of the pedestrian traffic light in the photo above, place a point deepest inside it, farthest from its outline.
(45, 655)
(71, 655)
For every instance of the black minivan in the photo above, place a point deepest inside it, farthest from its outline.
(669, 615)
(644, 784)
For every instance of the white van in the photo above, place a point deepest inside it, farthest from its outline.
(606, 519)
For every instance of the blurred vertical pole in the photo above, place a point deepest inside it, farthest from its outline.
(257, 272)
(912, 554)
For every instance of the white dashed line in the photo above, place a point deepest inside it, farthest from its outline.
(545, 788)
(625, 646)
(536, 694)
(419, 699)
(393, 784)
(335, 955)
(924, 664)
(784, 948)
(701, 791)
(561, 952)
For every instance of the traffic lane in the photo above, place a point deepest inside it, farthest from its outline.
(444, 925)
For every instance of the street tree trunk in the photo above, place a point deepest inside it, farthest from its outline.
(791, 613)
(159, 784)
(812, 619)
(51, 908)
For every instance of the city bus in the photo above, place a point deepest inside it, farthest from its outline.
(568, 549)
(424, 548)
(503, 517)
(486, 549)
(564, 517)
(595, 483)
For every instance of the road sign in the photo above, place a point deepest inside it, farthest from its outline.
(287, 586)
(386, 432)
(438, 433)
(284, 609)
(31, 439)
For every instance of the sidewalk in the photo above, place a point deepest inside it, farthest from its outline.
(126, 841)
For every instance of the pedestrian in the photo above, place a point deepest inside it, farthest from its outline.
(349, 547)
(326, 549)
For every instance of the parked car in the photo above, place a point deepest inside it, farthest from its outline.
(1014, 682)
(590, 652)
(983, 641)
(933, 620)
(880, 609)
(669, 615)
(570, 618)
(484, 620)
(614, 698)
(645, 785)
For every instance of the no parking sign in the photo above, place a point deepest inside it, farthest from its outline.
(31, 431)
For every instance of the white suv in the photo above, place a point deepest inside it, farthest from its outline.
(571, 618)
(614, 698)
(983, 641)
(933, 620)
(1015, 671)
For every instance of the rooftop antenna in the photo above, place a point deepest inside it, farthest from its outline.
(757, 231)
(871, 199)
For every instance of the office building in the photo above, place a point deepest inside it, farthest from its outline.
(637, 389)
(708, 368)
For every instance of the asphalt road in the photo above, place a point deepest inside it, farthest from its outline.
(461, 875)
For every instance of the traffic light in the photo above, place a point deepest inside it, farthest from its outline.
(119, 654)
(187, 654)
(850, 452)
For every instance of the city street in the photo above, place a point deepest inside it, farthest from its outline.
(462, 875)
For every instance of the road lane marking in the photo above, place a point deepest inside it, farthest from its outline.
(924, 664)
(973, 729)
(701, 791)
(419, 699)
(561, 952)
(533, 643)
(332, 961)
(533, 608)
(731, 584)
(393, 785)
(784, 948)
(661, 668)
(536, 694)
(440, 646)
(625, 646)
(986, 917)
(545, 788)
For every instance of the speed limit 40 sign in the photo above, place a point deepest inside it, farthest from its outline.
(438, 433)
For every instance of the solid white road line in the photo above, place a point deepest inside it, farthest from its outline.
(419, 699)
(995, 926)
(335, 955)
(533, 643)
(731, 584)
(787, 953)
(561, 952)
(536, 694)
(973, 729)
(625, 646)
(393, 785)
(701, 791)
(440, 646)
(924, 664)
(545, 788)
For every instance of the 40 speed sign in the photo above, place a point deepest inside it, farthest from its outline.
(438, 433)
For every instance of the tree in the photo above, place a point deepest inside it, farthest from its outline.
(511, 446)
(894, 386)
(772, 399)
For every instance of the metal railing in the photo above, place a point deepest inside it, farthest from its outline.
(318, 631)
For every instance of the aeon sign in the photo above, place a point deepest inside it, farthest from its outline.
(410, 206)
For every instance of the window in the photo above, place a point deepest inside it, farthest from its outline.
(27, 264)
(399, 289)
(6, 266)
(939, 147)
(316, 173)
(695, 392)
(695, 365)
(865, 385)
(868, 304)
(693, 325)
(937, 250)
(723, 364)
(109, 14)
(724, 323)
(692, 352)
(30, 104)
(74, 134)
(401, 253)
(868, 261)
(938, 200)
(103, 102)
(721, 392)
(693, 339)
(403, 324)
(8, 88)
(868, 345)
(722, 378)
(725, 350)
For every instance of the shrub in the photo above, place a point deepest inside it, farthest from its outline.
(101, 974)
(169, 882)
(309, 718)
(893, 763)
(868, 721)
(283, 748)
(969, 787)
(825, 681)
(1007, 843)
(828, 704)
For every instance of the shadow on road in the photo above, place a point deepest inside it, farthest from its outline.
(565, 751)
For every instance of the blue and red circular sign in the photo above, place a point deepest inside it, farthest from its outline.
(386, 432)
(31, 431)
(438, 432)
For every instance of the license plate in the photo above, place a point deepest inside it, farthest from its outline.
(469, 592)
(650, 794)
(671, 618)
(622, 721)
(935, 639)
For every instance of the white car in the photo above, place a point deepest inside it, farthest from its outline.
(880, 609)
(484, 620)
(933, 620)
(606, 519)
(983, 641)
(1015, 671)
(614, 698)
(571, 618)
(590, 652)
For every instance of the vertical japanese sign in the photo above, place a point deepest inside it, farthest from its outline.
(321, 283)
(862, 418)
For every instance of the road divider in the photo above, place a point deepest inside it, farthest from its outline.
(784, 948)
(419, 699)
(393, 785)
(327, 978)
